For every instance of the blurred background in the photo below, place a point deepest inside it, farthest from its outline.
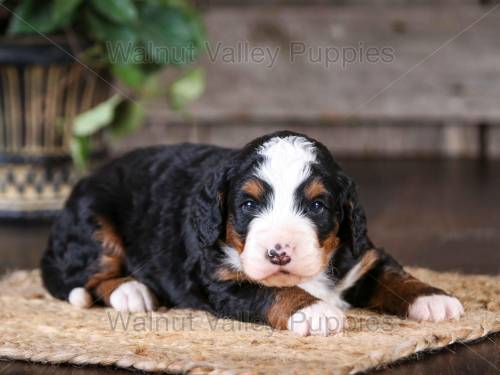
(405, 93)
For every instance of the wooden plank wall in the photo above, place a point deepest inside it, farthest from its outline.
(436, 93)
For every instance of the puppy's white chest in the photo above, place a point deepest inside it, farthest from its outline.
(325, 289)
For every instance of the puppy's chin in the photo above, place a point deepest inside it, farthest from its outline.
(278, 278)
(282, 279)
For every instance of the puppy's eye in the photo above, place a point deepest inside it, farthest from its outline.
(317, 207)
(249, 205)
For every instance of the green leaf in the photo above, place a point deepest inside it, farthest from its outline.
(105, 31)
(129, 74)
(187, 88)
(91, 121)
(196, 24)
(80, 151)
(65, 8)
(33, 17)
(120, 11)
(129, 117)
(119, 41)
(94, 56)
(168, 33)
(153, 86)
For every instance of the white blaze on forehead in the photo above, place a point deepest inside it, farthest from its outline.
(287, 163)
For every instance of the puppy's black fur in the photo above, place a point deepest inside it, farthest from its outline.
(169, 206)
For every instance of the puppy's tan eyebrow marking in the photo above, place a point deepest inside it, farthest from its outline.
(254, 188)
(314, 189)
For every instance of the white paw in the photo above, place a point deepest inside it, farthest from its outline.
(79, 297)
(319, 319)
(435, 308)
(132, 296)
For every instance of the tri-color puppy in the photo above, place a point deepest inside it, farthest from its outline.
(271, 233)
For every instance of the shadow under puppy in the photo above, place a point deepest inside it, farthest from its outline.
(271, 233)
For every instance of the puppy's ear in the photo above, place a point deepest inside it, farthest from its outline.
(353, 227)
(208, 208)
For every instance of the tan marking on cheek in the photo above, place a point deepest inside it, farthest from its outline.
(287, 302)
(329, 245)
(227, 274)
(233, 239)
(254, 188)
(331, 242)
(314, 189)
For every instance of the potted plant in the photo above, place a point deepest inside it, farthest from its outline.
(74, 72)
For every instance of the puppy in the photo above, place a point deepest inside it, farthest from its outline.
(271, 233)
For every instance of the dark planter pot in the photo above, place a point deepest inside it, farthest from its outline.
(42, 89)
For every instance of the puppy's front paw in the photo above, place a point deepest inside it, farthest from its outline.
(319, 319)
(132, 296)
(435, 308)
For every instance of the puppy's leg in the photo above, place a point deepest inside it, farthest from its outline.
(281, 308)
(390, 289)
(298, 311)
(126, 295)
(400, 293)
(109, 285)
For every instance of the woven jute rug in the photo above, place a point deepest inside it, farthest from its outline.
(36, 327)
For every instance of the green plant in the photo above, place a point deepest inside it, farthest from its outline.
(133, 39)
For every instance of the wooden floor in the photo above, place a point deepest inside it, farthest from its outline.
(443, 215)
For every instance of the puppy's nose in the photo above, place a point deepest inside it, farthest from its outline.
(278, 255)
